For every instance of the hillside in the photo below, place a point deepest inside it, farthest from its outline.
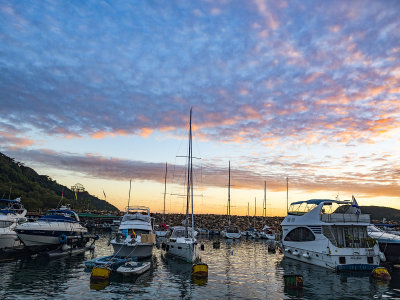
(379, 212)
(40, 192)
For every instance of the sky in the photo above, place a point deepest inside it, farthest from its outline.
(99, 93)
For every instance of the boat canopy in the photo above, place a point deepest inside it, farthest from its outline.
(60, 215)
(329, 206)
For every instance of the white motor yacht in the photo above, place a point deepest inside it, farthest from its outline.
(55, 228)
(389, 243)
(331, 234)
(12, 213)
(135, 237)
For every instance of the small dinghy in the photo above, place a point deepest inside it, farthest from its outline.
(134, 268)
(111, 261)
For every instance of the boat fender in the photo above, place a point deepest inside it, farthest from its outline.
(382, 256)
(96, 237)
(381, 273)
(167, 247)
(62, 238)
(163, 246)
(202, 247)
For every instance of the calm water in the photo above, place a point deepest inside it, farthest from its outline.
(238, 270)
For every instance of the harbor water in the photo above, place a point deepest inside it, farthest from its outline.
(237, 270)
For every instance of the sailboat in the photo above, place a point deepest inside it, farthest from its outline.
(230, 232)
(182, 242)
(267, 232)
(162, 230)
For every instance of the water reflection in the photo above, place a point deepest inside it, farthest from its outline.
(237, 270)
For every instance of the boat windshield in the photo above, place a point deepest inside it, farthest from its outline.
(329, 207)
(180, 232)
(372, 228)
(300, 209)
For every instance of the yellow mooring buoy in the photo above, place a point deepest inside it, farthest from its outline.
(100, 273)
(381, 273)
(200, 270)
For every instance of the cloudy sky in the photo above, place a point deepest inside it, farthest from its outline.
(99, 92)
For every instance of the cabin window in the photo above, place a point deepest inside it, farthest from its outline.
(300, 234)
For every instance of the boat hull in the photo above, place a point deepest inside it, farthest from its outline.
(9, 240)
(185, 251)
(133, 268)
(50, 239)
(133, 250)
(331, 261)
(232, 235)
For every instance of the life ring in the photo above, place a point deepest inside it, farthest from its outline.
(62, 238)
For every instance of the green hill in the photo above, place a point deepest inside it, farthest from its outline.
(40, 192)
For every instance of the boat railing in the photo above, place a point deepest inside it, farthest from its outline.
(345, 218)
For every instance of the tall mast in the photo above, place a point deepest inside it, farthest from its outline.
(229, 195)
(165, 189)
(191, 169)
(248, 213)
(265, 202)
(287, 195)
(255, 211)
(130, 185)
(189, 175)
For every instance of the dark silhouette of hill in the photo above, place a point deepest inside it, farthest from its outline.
(40, 192)
(379, 212)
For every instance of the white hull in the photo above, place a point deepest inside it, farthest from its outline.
(9, 240)
(332, 261)
(186, 251)
(132, 250)
(133, 268)
(47, 234)
(231, 235)
(267, 236)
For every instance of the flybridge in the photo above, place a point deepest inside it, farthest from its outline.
(328, 206)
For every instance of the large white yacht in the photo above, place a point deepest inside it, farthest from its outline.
(135, 237)
(12, 213)
(56, 227)
(331, 234)
(182, 242)
(388, 243)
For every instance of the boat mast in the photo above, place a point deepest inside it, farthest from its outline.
(165, 190)
(248, 213)
(189, 176)
(229, 195)
(191, 170)
(255, 211)
(130, 185)
(287, 195)
(265, 203)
